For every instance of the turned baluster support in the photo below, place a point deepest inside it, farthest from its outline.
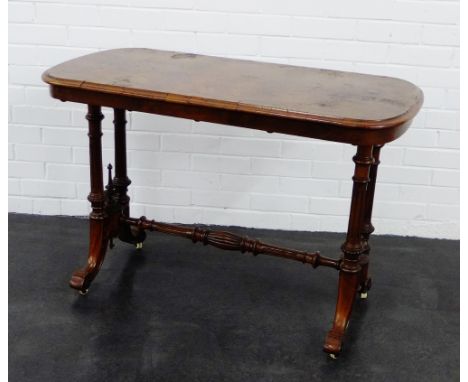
(368, 228)
(350, 267)
(232, 242)
(98, 218)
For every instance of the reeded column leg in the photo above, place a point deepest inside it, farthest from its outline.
(98, 218)
(350, 269)
(121, 181)
(368, 228)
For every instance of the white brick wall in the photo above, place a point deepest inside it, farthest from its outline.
(198, 172)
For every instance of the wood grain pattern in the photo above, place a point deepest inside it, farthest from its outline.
(367, 111)
(232, 242)
(232, 91)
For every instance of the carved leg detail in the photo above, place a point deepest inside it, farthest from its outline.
(368, 228)
(121, 181)
(98, 219)
(350, 267)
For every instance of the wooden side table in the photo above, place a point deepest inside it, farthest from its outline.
(363, 110)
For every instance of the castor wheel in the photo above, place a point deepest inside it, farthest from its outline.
(83, 292)
(139, 245)
(363, 295)
(332, 356)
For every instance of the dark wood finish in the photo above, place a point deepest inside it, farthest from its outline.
(232, 242)
(368, 228)
(316, 103)
(353, 248)
(367, 111)
(98, 218)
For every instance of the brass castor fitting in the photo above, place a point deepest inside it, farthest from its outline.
(83, 292)
(139, 245)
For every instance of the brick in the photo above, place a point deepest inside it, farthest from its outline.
(311, 187)
(305, 222)
(227, 44)
(452, 99)
(292, 47)
(449, 139)
(16, 95)
(310, 150)
(142, 141)
(67, 14)
(65, 136)
(107, 38)
(281, 167)
(190, 143)
(440, 12)
(73, 173)
(188, 215)
(168, 196)
(43, 153)
(246, 6)
(432, 158)
(194, 180)
(384, 31)
(46, 206)
(221, 199)
(447, 178)
(37, 34)
(250, 147)
(249, 183)
(40, 116)
(54, 55)
(150, 178)
(173, 41)
(218, 164)
(195, 21)
(20, 12)
(443, 119)
(242, 218)
(404, 175)
(74, 207)
(26, 75)
(40, 96)
(443, 212)
(330, 206)
(179, 4)
(48, 188)
(420, 55)
(446, 35)
(323, 28)
(285, 203)
(158, 160)
(417, 138)
(14, 186)
(25, 169)
(162, 213)
(24, 134)
(218, 129)
(399, 210)
(158, 123)
(258, 24)
(425, 194)
(126, 17)
(20, 205)
(333, 170)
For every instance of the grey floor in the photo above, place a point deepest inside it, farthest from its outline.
(184, 312)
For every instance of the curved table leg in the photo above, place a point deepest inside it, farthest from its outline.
(350, 270)
(98, 219)
(366, 282)
(126, 233)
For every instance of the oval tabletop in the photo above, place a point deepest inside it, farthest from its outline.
(345, 98)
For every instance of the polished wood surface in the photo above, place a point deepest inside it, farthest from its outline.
(367, 111)
(238, 89)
